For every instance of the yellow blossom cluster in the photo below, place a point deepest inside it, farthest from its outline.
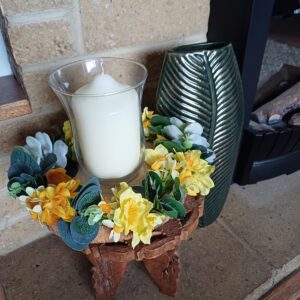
(193, 172)
(132, 215)
(49, 204)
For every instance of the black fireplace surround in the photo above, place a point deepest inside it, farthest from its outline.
(246, 24)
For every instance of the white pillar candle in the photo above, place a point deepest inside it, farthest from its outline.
(108, 127)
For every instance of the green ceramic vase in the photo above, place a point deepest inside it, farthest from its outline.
(201, 82)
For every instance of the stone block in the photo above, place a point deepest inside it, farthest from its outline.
(13, 132)
(20, 234)
(17, 7)
(11, 210)
(37, 42)
(38, 91)
(4, 165)
(112, 24)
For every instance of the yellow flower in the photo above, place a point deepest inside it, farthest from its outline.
(194, 172)
(156, 158)
(69, 137)
(68, 132)
(49, 204)
(161, 161)
(134, 215)
(160, 137)
(146, 117)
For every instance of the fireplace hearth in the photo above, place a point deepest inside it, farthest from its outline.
(249, 27)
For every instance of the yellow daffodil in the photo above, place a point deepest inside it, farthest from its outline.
(194, 172)
(156, 158)
(134, 215)
(161, 161)
(146, 117)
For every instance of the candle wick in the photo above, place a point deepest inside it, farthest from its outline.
(102, 68)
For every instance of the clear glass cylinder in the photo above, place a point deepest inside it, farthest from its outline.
(102, 98)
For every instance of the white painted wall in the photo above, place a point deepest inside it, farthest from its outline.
(5, 68)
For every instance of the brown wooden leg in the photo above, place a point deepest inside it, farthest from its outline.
(106, 278)
(106, 274)
(164, 270)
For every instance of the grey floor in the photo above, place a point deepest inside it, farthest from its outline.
(254, 243)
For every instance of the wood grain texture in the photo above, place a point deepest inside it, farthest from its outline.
(13, 99)
(14, 109)
(287, 289)
(164, 271)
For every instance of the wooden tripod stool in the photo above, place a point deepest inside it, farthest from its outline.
(109, 260)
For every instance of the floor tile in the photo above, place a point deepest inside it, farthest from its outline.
(267, 216)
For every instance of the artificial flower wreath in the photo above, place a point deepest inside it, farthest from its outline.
(41, 174)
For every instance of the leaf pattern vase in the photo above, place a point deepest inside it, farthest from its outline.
(201, 82)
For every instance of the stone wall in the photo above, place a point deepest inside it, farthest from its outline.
(44, 34)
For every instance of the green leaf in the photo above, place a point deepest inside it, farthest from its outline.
(169, 211)
(156, 129)
(30, 181)
(155, 182)
(167, 184)
(86, 199)
(48, 162)
(18, 168)
(65, 234)
(139, 190)
(15, 189)
(94, 214)
(92, 185)
(177, 205)
(172, 146)
(145, 184)
(160, 120)
(199, 147)
(81, 231)
(22, 156)
(176, 189)
(156, 204)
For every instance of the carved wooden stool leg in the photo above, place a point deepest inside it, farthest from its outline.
(106, 278)
(164, 270)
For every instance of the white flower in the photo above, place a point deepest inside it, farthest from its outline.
(195, 139)
(41, 145)
(193, 128)
(190, 135)
(177, 122)
(114, 234)
(173, 132)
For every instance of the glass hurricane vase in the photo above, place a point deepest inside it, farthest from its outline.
(102, 98)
